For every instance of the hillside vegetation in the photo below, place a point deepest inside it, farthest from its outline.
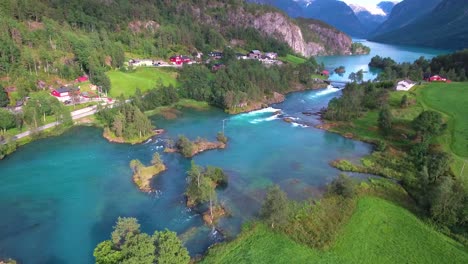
(378, 232)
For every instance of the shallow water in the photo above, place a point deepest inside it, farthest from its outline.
(60, 196)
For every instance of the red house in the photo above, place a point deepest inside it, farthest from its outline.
(63, 91)
(325, 73)
(179, 60)
(437, 78)
(83, 78)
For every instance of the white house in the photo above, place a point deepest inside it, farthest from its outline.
(139, 63)
(405, 85)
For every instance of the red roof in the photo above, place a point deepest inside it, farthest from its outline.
(83, 78)
(325, 72)
(437, 78)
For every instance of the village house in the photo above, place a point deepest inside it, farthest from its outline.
(325, 73)
(255, 54)
(216, 55)
(405, 85)
(140, 63)
(437, 78)
(271, 55)
(179, 60)
(63, 93)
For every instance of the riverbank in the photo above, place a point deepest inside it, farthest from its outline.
(434, 96)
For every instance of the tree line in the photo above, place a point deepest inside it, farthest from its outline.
(453, 66)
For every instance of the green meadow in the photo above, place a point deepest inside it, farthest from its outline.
(378, 232)
(144, 78)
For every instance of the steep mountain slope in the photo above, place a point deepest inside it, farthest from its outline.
(444, 27)
(337, 14)
(405, 13)
(333, 12)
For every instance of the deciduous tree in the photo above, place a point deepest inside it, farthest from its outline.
(275, 208)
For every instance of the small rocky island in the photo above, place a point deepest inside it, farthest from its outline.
(142, 175)
(191, 148)
(201, 189)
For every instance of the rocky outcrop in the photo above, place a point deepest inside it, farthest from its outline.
(305, 36)
(332, 40)
(140, 26)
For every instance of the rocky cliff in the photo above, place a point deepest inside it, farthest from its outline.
(305, 36)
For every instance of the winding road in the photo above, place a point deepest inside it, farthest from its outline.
(91, 110)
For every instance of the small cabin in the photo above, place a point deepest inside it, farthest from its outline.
(405, 85)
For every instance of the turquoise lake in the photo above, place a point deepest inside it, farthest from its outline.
(60, 196)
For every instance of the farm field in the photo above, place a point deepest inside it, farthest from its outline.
(143, 78)
(451, 99)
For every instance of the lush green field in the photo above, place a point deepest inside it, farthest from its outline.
(292, 59)
(144, 78)
(378, 232)
(452, 100)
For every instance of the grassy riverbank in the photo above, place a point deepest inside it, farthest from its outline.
(378, 232)
(450, 99)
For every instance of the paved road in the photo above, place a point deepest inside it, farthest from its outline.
(75, 115)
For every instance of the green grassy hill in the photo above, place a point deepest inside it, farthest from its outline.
(452, 100)
(378, 232)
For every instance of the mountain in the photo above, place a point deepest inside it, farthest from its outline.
(337, 14)
(386, 6)
(404, 13)
(370, 19)
(333, 12)
(443, 27)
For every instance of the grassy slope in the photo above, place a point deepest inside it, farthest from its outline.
(144, 78)
(293, 59)
(378, 232)
(452, 101)
(260, 245)
(381, 232)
